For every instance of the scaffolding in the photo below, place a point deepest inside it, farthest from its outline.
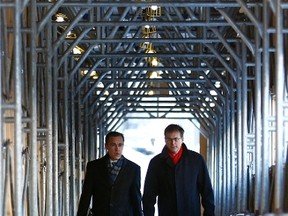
(73, 70)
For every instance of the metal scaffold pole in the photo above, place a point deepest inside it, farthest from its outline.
(18, 142)
(33, 178)
(280, 153)
(265, 113)
(258, 125)
(1, 109)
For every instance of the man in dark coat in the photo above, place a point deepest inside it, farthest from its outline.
(113, 182)
(179, 178)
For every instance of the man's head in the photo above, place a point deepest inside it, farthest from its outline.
(173, 137)
(114, 143)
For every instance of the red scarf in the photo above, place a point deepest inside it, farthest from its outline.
(175, 158)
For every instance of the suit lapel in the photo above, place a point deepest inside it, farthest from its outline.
(105, 172)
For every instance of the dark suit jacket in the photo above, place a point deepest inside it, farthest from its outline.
(123, 198)
(179, 188)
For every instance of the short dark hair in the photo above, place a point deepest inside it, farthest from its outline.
(174, 127)
(113, 134)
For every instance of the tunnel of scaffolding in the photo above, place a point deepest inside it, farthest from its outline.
(73, 70)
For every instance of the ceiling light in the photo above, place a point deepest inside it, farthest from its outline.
(153, 11)
(153, 61)
(146, 44)
(71, 35)
(60, 17)
(150, 92)
(154, 75)
(154, 7)
(150, 49)
(77, 50)
(147, 29)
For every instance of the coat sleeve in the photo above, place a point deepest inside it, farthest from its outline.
(86, 195)
(150, 191)
(136, 193)
(206, 190)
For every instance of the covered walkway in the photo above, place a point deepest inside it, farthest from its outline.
(73, 70)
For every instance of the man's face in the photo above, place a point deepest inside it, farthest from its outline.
(173, 141)
(114, 147)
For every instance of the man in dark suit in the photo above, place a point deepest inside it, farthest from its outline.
(179, 178)
(113, 182)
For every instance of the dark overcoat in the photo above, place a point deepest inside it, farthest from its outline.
(180, 189)
(123, 198)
